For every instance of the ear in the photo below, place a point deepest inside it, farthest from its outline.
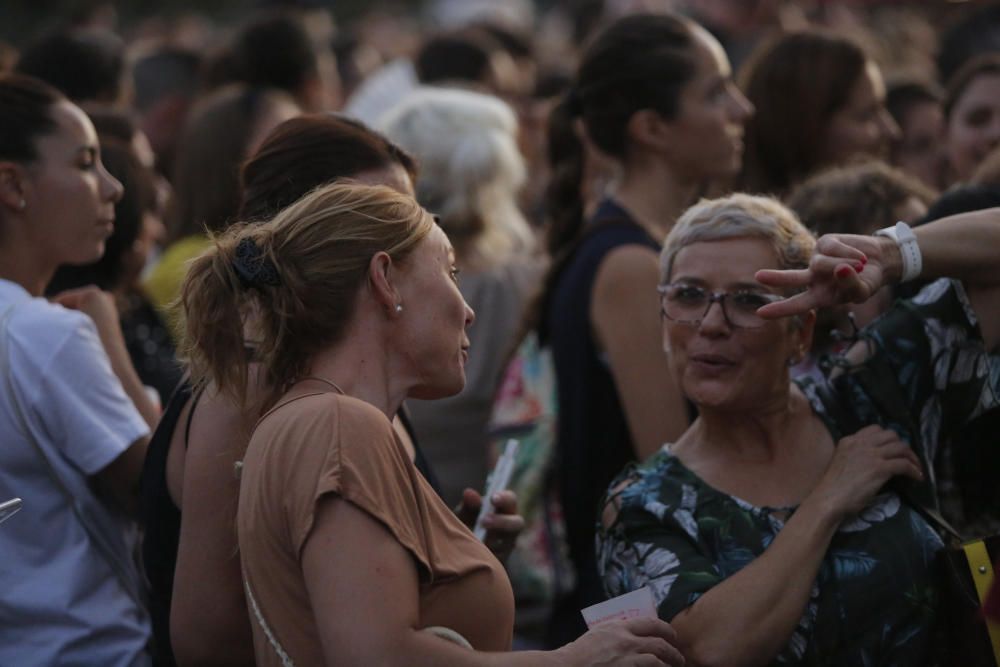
(648, 128)
(13, 182)
(380, 281)
(805, 328)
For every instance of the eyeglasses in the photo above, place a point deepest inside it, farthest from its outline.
(688, 304)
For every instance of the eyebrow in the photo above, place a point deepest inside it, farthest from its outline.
(88, 151)
(737, 286)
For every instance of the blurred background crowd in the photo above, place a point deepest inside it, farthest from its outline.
(854, 113)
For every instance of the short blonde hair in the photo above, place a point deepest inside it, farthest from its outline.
(740, 216)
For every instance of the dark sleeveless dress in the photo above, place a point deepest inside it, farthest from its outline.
(593, 442)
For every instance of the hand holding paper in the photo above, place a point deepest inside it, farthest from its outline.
(637, 604)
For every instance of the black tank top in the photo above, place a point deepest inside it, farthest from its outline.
(161, 520)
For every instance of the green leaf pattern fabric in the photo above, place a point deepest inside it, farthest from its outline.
(873, 600)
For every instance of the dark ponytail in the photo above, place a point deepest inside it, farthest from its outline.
(639, 62)
(567, 159)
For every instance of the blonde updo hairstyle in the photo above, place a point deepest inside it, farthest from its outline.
(320, 249)
(740, 216)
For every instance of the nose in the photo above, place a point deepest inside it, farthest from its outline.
(993, 134)
(111, 188)
(470, 316)
(743, 108)
(889, 127)
(714, 323)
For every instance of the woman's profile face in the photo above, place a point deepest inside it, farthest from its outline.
(720, 366)
(69, 196)
(920, 149)
(707, 131)
(434, 319)
(974, 124)
(863, 126)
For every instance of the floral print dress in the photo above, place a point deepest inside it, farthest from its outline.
(873, 600)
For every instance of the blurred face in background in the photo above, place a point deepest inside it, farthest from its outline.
(974, 124)
(920, 148)
(863, 126)
(277, 108)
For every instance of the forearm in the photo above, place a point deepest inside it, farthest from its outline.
(762, 603)
(965, 247)
(422, 649)
(124, 370)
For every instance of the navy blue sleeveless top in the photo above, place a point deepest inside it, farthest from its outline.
(593, 440)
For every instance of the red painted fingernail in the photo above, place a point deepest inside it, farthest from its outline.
(859, 267)
(843, 272)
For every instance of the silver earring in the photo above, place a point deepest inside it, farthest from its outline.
(399, 307)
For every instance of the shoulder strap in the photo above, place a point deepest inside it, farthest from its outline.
(195, 397)
(110, 555)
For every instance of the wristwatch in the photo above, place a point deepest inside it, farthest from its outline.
(909, 249)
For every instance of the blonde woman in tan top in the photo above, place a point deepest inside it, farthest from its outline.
(348, 556)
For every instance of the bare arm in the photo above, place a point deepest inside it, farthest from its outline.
(762, 603)
(209, 622)
(965, 247)
(625, 315)
(379, 577)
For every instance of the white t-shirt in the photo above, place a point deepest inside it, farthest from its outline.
(60, 601)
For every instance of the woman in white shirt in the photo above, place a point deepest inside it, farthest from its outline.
(73, 412)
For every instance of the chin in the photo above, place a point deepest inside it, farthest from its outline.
(87, 258)
(708, 394)
(438, 389)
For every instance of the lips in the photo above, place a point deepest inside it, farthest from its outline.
(712, 363)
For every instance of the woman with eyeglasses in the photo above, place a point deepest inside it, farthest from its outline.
(769, 519)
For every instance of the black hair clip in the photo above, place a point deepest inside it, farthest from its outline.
(252, 267)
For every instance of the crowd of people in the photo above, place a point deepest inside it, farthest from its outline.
(275, 293)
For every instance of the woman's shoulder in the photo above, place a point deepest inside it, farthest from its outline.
(38, 312)
(661, 476)
(45, 328)
(661, 491)
(328, 407)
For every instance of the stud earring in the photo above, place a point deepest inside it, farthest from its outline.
(399, 307)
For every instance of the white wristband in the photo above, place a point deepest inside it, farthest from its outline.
(909, 249)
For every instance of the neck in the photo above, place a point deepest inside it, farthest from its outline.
(24, 269)
(654, 195)
(753, 435)
(362, 368)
